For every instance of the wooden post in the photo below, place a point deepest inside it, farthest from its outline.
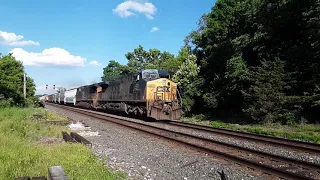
(56, 173)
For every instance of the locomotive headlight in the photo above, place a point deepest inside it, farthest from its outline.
(163, 82)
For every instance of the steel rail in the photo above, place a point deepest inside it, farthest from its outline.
(299, 145)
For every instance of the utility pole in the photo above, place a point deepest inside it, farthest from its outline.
(24, 86)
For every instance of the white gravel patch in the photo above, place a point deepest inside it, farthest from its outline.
(82, 129)
(143, 156)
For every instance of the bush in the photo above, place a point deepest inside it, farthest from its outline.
(287, 118)
(5, 103)
(34, 102)
(200, 117)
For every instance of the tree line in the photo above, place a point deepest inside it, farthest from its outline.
(253, 61)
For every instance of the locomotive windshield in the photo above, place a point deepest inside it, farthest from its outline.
(150, 74)
(164, 74)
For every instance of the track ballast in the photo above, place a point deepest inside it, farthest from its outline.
(271, 164)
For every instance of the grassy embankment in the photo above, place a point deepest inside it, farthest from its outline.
(305, 132)
(23, 151)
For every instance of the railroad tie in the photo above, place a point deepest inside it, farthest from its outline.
(67, 137)
(80, 139)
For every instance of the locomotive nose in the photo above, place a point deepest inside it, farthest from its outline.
(162, 102)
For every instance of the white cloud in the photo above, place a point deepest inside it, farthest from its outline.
(12, 39)
(95, 63)
(128, 7)
(51, 56)
(154, 29)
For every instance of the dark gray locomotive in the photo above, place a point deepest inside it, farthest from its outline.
(148, 93)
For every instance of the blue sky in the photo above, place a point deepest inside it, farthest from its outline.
(67, 43)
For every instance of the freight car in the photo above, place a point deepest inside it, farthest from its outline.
(61, 95)
(43, 98)
(50, 98)
(148, 93)
(70, 96)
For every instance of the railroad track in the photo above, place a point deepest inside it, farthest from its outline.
(270, 164)
(292, 144)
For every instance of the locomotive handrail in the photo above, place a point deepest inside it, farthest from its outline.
(179, 96)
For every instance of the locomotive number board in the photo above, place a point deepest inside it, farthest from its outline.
(163, 89)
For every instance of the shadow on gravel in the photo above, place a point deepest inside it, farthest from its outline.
(149, 119)
(163, 121)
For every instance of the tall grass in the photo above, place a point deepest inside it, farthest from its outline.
(22, 155)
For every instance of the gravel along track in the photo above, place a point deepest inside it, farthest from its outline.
(311, 156)
(299, 153)
(277, 149)
(225, 150)
(232, 137)
(143, 156)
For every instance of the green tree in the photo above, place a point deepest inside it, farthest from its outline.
(11, 81)
(186, 77)
(224, 48)
(173, 64)
(114, 70)
(140, 59)
(265, 96)
(233, 39)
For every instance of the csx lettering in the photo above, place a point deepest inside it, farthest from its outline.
(163, 89)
